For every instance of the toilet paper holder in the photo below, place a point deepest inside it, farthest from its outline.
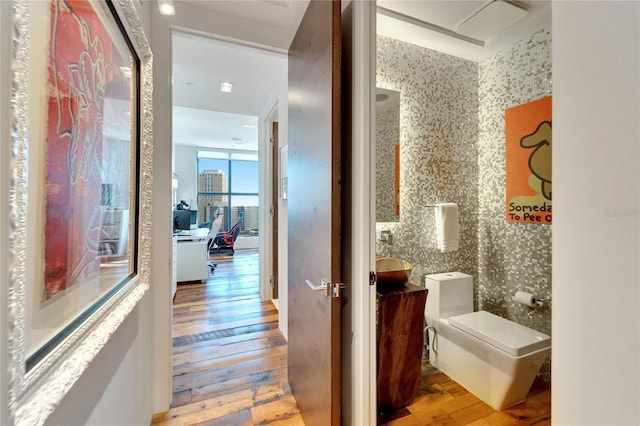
(529, 299)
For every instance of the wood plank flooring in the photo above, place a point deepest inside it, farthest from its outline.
(230, 365)
(229, 357)
(441, 401)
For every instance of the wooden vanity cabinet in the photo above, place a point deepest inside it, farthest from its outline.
(400, 339)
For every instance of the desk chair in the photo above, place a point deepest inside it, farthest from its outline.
(226, 240)
(213, 232)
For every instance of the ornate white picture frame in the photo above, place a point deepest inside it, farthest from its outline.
(35, 392)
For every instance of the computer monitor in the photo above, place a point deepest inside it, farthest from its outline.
(181, 220)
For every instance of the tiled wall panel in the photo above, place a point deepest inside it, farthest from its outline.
(512, 256)
(438, 157)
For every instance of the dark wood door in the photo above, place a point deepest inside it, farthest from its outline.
(314, 213)
(274, 218)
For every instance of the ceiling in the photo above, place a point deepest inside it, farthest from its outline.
(205, 117)
(436, 24)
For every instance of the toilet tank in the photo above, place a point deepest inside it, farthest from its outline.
(450, 293)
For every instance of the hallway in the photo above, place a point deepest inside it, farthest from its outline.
(229, 357)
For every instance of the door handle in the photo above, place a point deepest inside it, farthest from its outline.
(331, 290)
(322, 286)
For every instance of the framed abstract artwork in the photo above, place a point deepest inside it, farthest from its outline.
(79, 190)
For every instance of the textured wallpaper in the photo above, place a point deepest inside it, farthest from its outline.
(438, 156)
(511, 256)
(453, 150)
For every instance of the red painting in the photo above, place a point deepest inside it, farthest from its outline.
(84, 69)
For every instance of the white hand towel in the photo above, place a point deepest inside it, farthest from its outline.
(447, 227)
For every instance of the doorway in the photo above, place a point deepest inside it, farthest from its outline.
(219, 93)
(434, 159)
(221, 156)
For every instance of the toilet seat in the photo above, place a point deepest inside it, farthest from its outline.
(508, 336)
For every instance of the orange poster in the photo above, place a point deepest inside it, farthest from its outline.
(528, 135)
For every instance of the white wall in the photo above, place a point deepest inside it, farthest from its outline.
(161, 257)
(115, 389)
(596, 179)
(185, 167)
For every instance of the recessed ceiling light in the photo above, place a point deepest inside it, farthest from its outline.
(166, 7)
(226, 86)
(249, 126)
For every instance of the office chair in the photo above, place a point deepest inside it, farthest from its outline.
(213, 233)
(226, 240)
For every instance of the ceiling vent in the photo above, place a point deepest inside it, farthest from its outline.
(491, 19)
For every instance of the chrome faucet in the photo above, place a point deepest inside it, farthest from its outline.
(386, 237)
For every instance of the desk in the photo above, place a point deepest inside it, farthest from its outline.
(197, 234)
(192, 256)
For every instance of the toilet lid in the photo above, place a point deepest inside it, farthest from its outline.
(513, 338)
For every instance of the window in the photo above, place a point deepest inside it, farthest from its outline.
(228, 184)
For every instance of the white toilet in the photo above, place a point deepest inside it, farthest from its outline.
(492, 357)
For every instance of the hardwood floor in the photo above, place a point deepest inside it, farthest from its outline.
(230, 365)
(441, 401)
(229, 357)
